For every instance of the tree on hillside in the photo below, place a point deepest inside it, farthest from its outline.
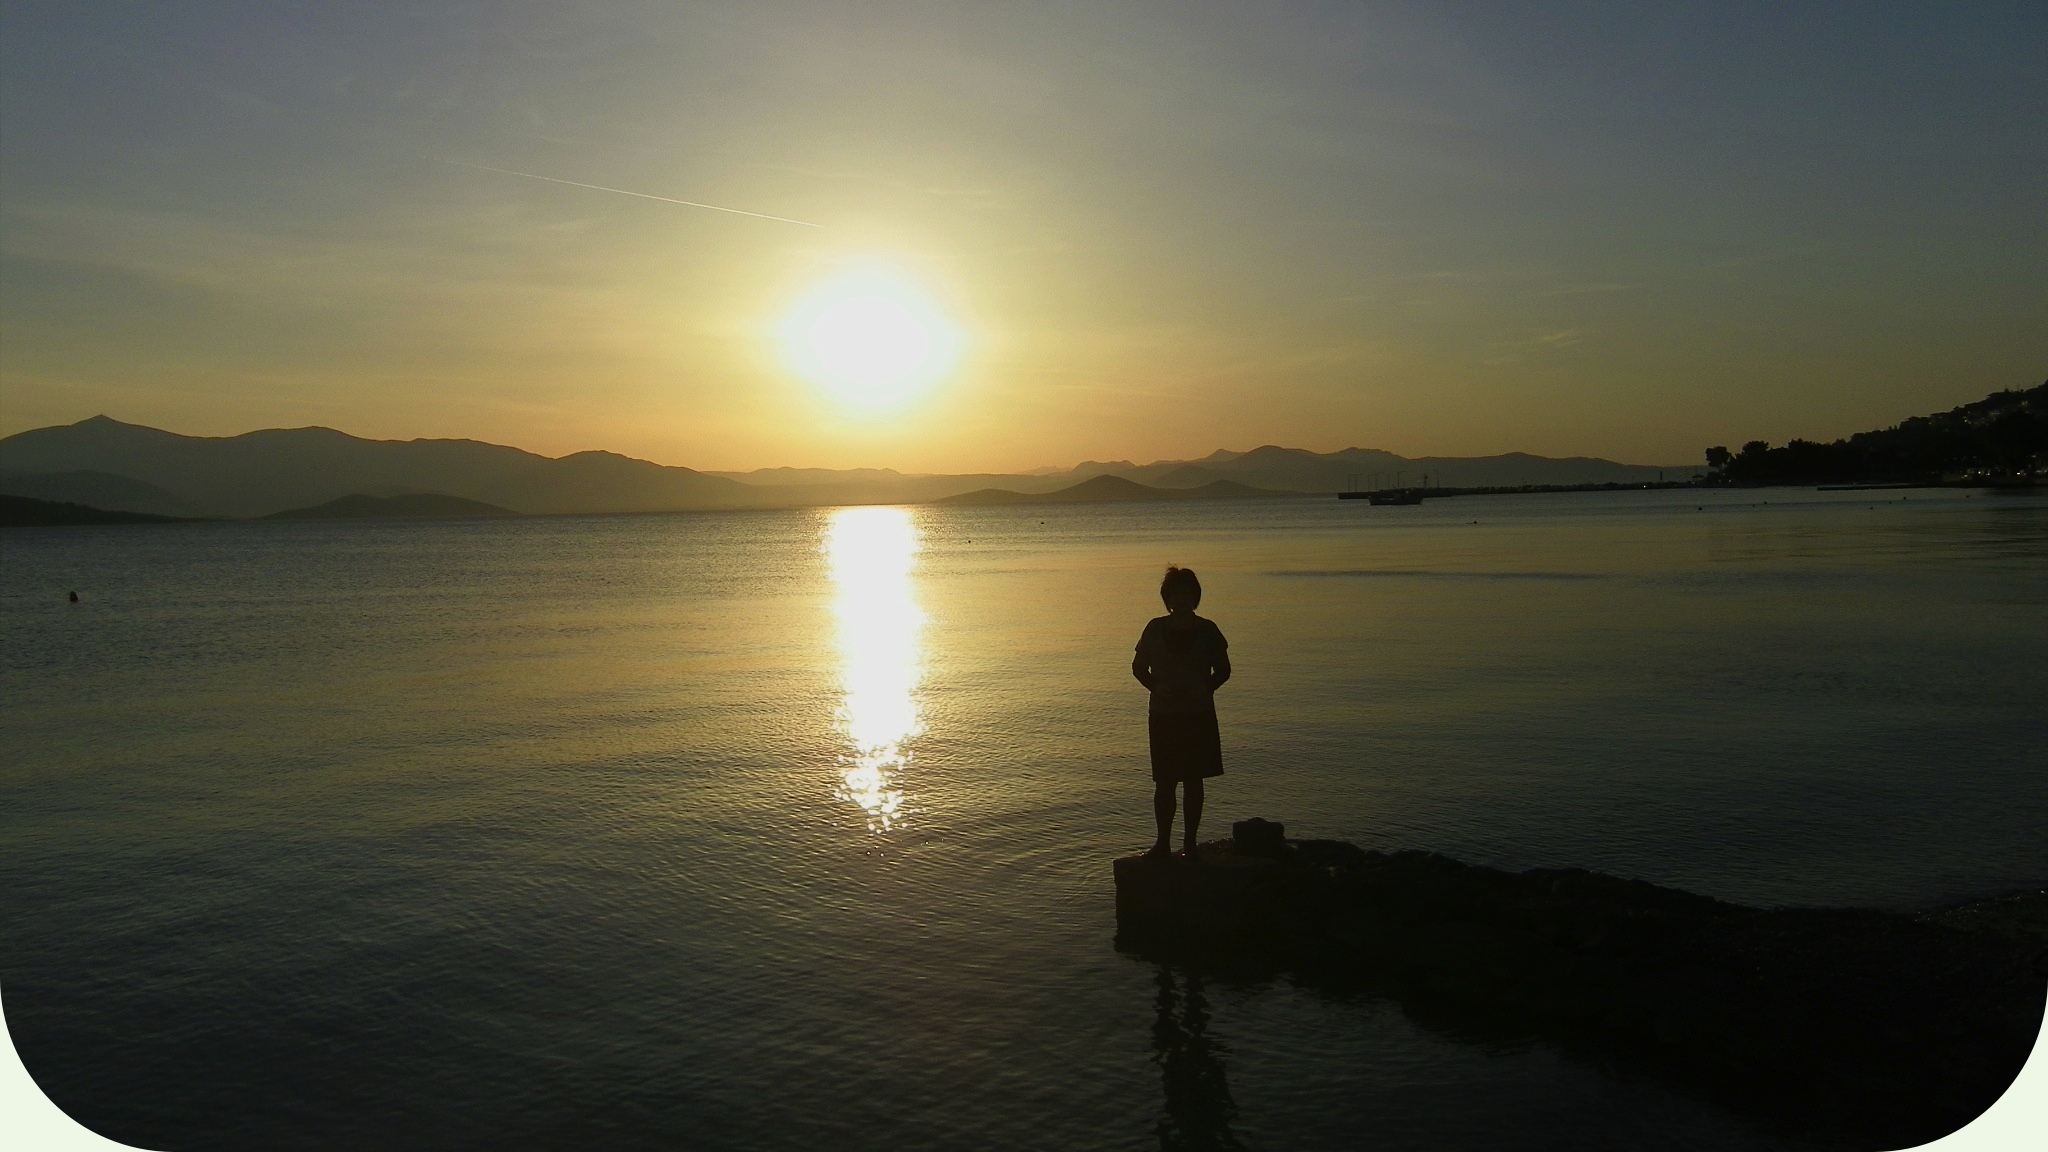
(2003, 436)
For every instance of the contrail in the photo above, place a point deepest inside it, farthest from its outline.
(641, 195)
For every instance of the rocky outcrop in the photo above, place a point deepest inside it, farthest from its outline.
(1874, 1028)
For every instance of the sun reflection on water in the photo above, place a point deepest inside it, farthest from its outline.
(871, 553)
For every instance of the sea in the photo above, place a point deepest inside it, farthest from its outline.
(793, 829)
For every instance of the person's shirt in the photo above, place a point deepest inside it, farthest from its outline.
(1184, 663)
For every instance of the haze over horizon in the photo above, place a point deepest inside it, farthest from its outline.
(1135, 232)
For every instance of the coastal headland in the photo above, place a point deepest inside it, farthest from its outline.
(1855, 1027)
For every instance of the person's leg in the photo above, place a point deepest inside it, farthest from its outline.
(1162, 811)
(1194, 809)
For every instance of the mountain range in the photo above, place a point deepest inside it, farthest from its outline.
(1107, 489)
(407, 506)
(1269, 467)
(105, 463)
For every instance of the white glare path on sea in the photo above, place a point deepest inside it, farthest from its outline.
(872, 553)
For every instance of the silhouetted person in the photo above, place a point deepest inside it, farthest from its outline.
(1183, 659)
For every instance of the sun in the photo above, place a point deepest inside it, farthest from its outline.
(870, 336)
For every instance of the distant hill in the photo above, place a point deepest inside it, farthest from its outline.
(785, 477)
(1187, 476)
(258, 473)
(28, 512)
(410, 506)
(2001, 437)
(1110, 489)
(1299, 470)
(992, 496)
(862, 486)
(97, 490)
(1269, 467)
(105, 463)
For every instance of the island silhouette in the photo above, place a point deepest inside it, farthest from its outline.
(408, 506)
(106, 465)
(102, 462)
(1108, 488)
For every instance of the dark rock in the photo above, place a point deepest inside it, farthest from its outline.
(1872, 1028)
(1214, 893)
(1259, 837)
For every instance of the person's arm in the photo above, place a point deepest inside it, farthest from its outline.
(1140, 666)
(1219, 668)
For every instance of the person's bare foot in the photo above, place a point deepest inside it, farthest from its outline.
(1159, 851)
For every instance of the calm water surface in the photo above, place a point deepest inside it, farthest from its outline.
(792, 830)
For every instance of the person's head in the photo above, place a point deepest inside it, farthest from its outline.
(1180, 590)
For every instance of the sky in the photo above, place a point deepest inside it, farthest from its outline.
(1627, 230)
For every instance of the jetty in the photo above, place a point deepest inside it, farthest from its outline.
(1868, 1028)
(1382, 496)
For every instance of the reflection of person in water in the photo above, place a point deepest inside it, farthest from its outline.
(1183, 659)
(1198, 1105)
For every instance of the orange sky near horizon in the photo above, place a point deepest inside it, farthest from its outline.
(1159, 230)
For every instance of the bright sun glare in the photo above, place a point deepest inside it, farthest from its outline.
(871, 337)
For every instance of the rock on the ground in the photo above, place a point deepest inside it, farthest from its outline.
(1867, 1025)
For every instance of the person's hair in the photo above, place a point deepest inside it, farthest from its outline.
(1180, 578)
